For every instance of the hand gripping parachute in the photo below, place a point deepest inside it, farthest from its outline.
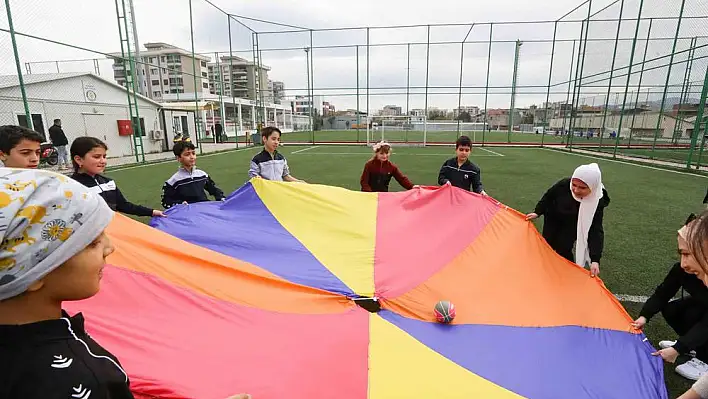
(258, 294)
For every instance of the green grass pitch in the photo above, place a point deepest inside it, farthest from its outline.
(648, 205)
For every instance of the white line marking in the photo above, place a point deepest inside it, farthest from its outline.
(628, 163)
(119, 168)
(491, 152)
(631, 298)
(304, 149)
(395, 154)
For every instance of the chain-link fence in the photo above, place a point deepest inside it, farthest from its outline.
(626, 78)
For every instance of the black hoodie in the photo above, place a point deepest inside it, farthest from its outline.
(56, 359)
(107, 188)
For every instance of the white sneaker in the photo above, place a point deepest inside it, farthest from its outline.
(692, 369)
(669, 344)
(666, 344)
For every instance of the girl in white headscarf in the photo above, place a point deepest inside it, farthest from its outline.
(573, 209)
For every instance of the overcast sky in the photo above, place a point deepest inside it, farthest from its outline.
(92, 24)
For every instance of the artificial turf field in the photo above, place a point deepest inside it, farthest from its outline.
(647, 205)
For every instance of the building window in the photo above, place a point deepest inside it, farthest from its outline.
(155, 82)
(165, 82)
(163, 58)
(204, 74)
(204, 64)
(205, 85)
(156, 94)
(176, 81)
(154, 71)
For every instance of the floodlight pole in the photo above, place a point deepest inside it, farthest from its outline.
(519, 43)
(28, 115)
(550, 76)
(668, 78)
(639, 85)
(629, 74)
(486, 86)
(612, 71)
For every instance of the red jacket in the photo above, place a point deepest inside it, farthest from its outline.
(377, 175)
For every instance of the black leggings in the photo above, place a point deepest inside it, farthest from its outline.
(682, 314)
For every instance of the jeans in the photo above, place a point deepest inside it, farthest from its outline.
(63, 156)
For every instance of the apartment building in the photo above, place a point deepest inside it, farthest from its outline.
(278, 89)
(239, 80)
(167, 72)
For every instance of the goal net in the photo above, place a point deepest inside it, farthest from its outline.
(419, 130)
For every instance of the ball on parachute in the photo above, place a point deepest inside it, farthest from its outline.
(444, 312)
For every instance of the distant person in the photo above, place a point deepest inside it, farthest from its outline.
(20, 147)
(219, 132)
(460, 171)
(88, 156)
(188, 184)
(59, 140)
(688, 315)
(379, 170)
(270, 164)
(573, 209)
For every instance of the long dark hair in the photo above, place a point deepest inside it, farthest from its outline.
(82, 146)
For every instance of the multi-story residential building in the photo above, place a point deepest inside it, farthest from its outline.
(239, 79)
(471, 110)
(278, 91)
(166, 72)
(391, 110)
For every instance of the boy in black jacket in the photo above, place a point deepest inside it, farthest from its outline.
(88, 154)
(50, 254)
(45, 353)
(188, 184)
(459, 171)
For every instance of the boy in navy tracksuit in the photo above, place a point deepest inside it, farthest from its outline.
(459, 171)
(188, 184)
(270, 164)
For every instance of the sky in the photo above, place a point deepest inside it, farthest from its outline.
(391, 64)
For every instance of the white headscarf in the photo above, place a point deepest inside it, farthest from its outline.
(590, 175)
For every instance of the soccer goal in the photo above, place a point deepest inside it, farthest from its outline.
(417, 130)
(396, 128)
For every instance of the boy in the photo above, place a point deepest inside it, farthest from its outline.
(459, 171)
(270, 164)
(188, 184)
(47, 353)
(19, 147)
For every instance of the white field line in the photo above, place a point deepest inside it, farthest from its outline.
(304, 149)
(395, 154)
(172, 159)
(490, 151)
(631, 298)
(630, 163)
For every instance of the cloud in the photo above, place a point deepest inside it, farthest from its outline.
(93, 24)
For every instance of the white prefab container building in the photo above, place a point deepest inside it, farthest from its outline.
(87, 104)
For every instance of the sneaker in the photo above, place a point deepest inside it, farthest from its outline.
(666, 344)
(669, 344)
(692, 369)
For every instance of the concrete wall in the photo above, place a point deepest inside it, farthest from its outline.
(65, 99)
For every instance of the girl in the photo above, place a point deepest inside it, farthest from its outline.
(45, 352)
(379, 170)
(693, 247)
(88, 154)
(573, 210)
(688, 316)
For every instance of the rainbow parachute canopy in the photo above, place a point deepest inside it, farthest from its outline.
(257, 294)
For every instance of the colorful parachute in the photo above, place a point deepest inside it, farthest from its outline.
(258, 294)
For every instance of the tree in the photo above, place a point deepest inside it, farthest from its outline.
(464, 116)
